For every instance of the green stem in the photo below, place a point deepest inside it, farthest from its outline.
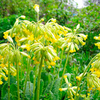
(18, 92)
(26, 79)
(81, 88)
(8, 79)
(39, 77)
(64, 68)
(83, 75)
(60, 63)
(37, 16)
(29, 78)
(21, 77)
(36, 69)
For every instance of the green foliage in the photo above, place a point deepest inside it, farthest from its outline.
(88, 18)
(6, 23)
(24, 7)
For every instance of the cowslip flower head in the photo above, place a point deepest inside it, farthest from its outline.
(36, 7)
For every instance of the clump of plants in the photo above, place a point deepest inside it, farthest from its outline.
(41, 47)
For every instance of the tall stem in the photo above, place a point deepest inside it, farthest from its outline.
(39, 77)
(60, 63)
(64, 68)
(36, 69)
(17, 66)
(83, 75)
(37, 16)
(8, 79)
(26, 79)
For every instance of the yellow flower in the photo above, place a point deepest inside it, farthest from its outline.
(2, 65)
(69, 84)
(7, 72)
(5, 36)
(6, 78)
(53, 20)
(28, 47)
(19, 63)
(42, 19)
(31, 37)
(92, 64)
(52, 63)
(85, 37)
(34, 58)
(13, 74)
(83, 43)
(60, 89)
(0, 76)
(29, 57)
(71, 51)
(65, 76)
(88, 94)
(42, 65)
(36, 62)
(49, 66)
(1, 82)
(98, 88)
(57, 58)
(1, 57)
(78, 78)
(36, 7)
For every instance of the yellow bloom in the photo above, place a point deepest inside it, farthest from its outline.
(57, 58)
(53, 20)
(28, 47)
(6, 78)
(7, 72)
(0, 76)
(36, 7)
(1, 57)
(31, 37)
(83, 43)
(36, 62)
(69, 84)
(2, 65)
(88, 94)
(34, 58)
(85, 37)
(42, 65)
(65, 76)
(71, 51)
(42, 19)
(49, 66)
(60, 89)
(52, 63)
(29, 57)
(98, 88)
(1, 82)
(78, 78)
(5, 36)
(13, 74)
(19, 63)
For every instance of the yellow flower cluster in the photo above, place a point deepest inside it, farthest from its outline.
(70, 89)
(4, 70)
(98, 43)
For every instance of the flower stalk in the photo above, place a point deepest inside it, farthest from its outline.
(64, 69)
(36, 70)
(8, 79)
(60, 63)
(39, 77)
(26, 79)
(18, 92)
(84, 74)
